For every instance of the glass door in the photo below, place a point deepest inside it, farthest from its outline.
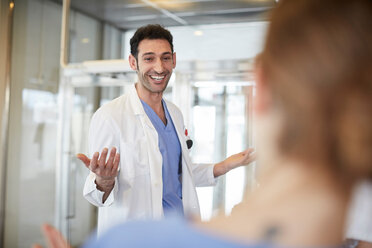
(221, 126)
(81, 96)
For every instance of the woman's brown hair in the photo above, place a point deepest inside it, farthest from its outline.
(317, 61)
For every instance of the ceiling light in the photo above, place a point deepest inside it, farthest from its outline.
(85, 40)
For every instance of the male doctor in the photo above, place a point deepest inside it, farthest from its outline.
(155, 175)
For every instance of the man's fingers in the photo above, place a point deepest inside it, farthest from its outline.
(253, 156)
(94, 162)
(83, 159)
(250, 155)
(247, 152)
(250, 150)
(99, 162)
(111, 158)
(116, 163)
(102, 158)
(242, 158)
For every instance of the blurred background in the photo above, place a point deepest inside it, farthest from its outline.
(61, 60)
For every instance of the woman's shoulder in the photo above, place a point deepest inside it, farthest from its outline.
(170, 232)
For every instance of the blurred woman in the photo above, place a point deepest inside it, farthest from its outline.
(314, 106)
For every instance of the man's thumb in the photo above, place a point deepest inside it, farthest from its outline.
(84, 159)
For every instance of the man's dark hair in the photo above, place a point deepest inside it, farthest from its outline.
(151, 32)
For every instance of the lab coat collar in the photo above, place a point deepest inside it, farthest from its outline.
(137, 106)
(135, 101)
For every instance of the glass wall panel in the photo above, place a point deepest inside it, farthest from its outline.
(30, 184)
(85, 38)
(31, 174)
(220, 127)
(91, 39)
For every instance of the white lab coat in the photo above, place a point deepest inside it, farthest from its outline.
(137, 194)
(359, 218)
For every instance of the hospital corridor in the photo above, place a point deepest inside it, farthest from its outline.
(62, 60)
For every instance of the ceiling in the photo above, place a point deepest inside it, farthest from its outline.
(131, 14)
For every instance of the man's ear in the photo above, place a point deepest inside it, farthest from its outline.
(132, 62)
(174, 60)
(263, 99)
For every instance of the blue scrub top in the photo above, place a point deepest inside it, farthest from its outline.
(170, 150)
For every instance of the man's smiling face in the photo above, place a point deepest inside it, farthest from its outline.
(154, 64)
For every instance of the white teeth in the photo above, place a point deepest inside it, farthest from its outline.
(158, 78)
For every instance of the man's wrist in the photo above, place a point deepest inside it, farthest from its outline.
(104, 184)
(220, 169)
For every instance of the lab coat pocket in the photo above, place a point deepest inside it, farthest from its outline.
(134, 158)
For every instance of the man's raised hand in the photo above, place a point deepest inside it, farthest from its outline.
(105, 170)
(98, 164)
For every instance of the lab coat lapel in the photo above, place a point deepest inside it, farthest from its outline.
(189, 196)
(179, 125)
(138, 108)
(155, 159)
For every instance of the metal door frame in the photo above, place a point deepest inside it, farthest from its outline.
(6, 18)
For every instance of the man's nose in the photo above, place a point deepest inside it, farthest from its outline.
(158, 67)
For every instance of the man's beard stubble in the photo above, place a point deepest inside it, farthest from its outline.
(142, 78)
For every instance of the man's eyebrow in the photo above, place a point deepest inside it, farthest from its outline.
(152, 53)
(149, 53)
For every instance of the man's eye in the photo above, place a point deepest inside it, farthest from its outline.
(167, 58)
(147, 59)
